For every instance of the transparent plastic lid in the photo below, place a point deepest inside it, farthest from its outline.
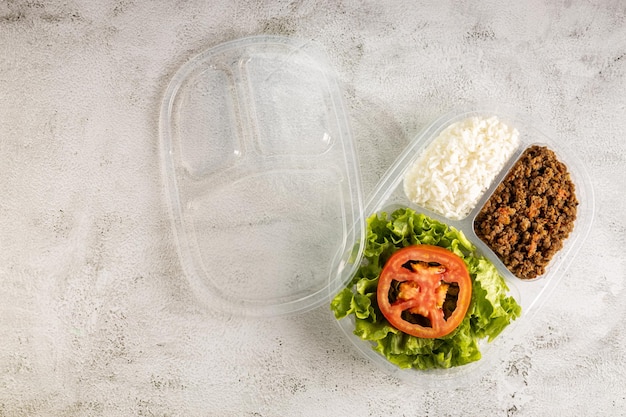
(261, 176)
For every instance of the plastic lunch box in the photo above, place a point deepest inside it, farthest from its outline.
(263, 185)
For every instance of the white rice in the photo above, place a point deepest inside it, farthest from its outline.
(454, 171)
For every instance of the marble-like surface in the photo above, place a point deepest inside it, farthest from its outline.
(96, 317)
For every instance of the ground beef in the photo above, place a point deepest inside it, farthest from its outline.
(530, 213)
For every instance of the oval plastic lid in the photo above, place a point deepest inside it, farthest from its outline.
(261, 175)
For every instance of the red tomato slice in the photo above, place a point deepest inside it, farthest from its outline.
(424, 291)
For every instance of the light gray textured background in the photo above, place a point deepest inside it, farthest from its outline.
(96, 318)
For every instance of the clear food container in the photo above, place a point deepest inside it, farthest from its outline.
(389, 194)
(263, 185)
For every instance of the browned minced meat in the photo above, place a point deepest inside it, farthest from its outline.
(530, 213)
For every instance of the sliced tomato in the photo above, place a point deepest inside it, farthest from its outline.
(424, 291)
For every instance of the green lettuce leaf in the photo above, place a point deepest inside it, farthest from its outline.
(491, 309)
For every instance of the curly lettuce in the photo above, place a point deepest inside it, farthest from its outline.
(491, 309)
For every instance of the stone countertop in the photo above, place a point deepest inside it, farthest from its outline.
(97, 318)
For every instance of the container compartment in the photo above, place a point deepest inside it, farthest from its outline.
(290, 105)
(282, 222)
(207, 112)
